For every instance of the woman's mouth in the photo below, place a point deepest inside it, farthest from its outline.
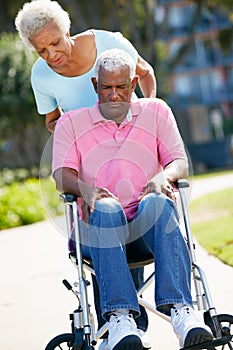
(58, 60)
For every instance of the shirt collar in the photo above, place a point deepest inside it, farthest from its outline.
(133, 111)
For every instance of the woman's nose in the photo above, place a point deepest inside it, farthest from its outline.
(51, 53)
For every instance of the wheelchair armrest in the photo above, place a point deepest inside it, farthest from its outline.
(68, 197)
(182, 183)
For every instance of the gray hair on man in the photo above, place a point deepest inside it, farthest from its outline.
(114, 59)
(36, 14)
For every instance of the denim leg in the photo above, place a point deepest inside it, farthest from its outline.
(142, 320)
(107, 234)
(157, 221)
(138, 278)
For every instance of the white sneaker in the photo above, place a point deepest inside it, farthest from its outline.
(123, 333)
(104, 345)
(188, 328)
(145, 341)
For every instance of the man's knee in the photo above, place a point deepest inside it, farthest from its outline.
(108, 205)
(153, 200)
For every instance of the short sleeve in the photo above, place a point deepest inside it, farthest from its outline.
(169, 142)
(65, 153)
(125, 44)
(45, 100)
(106, 40)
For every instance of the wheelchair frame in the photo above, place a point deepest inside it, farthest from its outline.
(84, 337)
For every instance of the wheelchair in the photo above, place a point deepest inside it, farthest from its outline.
(83, 335)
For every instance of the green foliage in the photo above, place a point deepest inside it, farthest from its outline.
(19, 122)
(23, 203)
(9, 176)
(212, 222)
(228, 126)
(16, 97)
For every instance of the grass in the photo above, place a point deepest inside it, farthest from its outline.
(211, 219)
(212, 174)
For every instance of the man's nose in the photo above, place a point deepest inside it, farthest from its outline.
(113, 94)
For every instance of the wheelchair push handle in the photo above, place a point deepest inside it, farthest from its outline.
(67, 197)
(182, 183)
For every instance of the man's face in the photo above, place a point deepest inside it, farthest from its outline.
(114, 89)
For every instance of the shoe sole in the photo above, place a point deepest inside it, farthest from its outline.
(131, 342)
(197, 336)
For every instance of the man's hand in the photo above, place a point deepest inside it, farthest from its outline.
(159, 184)
(89, 196)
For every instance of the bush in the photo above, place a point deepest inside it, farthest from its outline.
(19, 122)
(28, 202)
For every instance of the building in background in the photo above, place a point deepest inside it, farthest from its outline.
(200, 52)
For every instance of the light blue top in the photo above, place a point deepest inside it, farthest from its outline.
(52, 89)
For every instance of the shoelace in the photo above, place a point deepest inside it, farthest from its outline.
(118, 318)
(179, 312)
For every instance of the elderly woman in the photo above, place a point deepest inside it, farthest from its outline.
(61, 77)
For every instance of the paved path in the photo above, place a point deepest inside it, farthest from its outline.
(34, 305)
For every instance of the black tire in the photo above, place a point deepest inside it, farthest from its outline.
(226, 321)
(61, 342)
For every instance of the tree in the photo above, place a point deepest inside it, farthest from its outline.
(18, 116)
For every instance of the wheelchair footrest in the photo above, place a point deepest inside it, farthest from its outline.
(210, 345)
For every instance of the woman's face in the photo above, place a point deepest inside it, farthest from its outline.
(52, 45)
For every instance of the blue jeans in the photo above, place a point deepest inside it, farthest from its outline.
(155, 229)
(141, 321)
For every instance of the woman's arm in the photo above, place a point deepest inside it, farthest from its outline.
(51, 119)
(146, 78)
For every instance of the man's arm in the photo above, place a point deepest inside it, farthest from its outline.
(146, 78)
(163, 182)
(178, 169)
(67, 181)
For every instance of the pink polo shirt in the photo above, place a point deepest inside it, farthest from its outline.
(122, 159)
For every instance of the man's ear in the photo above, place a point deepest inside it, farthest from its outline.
(134, 83)
(94, 83)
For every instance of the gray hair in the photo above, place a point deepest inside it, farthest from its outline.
(114, 59)
(36, 14)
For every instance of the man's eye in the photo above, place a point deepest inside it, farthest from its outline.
(55, 43)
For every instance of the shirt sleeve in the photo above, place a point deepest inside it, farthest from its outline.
(45, 100)
(125, 44)
(169, 141)
(106, 40)
(65, 153)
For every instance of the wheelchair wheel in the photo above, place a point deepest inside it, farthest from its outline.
(61, 342)
(226, 322)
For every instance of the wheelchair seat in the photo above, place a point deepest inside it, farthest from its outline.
(132, 262)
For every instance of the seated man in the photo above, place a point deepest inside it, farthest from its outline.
(121, 159)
